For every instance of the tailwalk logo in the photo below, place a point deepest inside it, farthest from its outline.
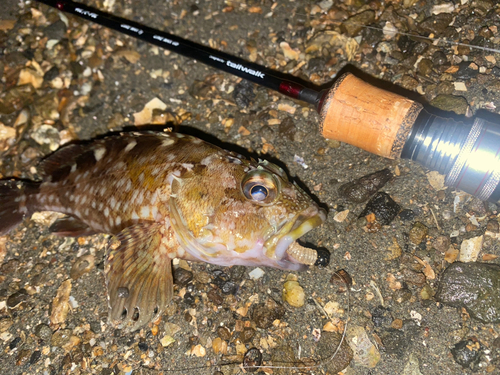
(244, 69)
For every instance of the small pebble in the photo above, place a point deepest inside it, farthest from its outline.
(247, 334)
(253, 357)
(293, 293)
(256, 273)
(82, 265)
(17, 298)
(412, 277)
(61, 338)
(426, 293)
(229, 287)
(418, 233)
(214, 297)
(264, 314)
(189, 299)
(202, 277)
(35, 356)
(381, 317)
(407, 215)
(442, 243)
(384, 208)
(44, 332)
(223, 333)
(182, 277)
(365, 353)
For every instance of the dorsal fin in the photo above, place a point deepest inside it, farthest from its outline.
(61, 158)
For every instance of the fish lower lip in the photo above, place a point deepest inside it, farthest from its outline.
(301, 228)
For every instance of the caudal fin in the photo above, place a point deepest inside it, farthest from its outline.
(14, 202)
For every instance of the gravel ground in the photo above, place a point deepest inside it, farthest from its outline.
(65, 79)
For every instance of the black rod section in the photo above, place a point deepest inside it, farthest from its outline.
(206, 55)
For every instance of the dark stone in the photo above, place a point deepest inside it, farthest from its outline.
(253, 357)
(247, 334)
(35, 356)
(182, 277)
(224, 333)
(189, 299)
(437, 24)
(425, 67)
(215, 297)
(381, 317)
(244, 94)
(51, 74)
(475, 286)
(395, 342)
(229, 287)
(143, 346)
(363, 188)
(14, 343)
(407, 215)
(465, 71)
(496, 71)
(412, 277)
(56, 31)
(220, 278)
(323, 258)
(383, 207)
(237, 272)
(355, 23)
(467, 353)
(406, 44)
(316, 64)
(439, 58)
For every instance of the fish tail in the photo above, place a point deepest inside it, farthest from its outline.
(15, 197)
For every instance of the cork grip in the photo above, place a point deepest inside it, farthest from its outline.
(367, 117)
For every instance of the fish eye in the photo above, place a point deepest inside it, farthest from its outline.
(260, 186)
(259, 192)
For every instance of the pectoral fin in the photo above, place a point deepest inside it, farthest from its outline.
(138, 276)
(71, 227)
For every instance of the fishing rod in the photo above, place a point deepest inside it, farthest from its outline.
(353, 111)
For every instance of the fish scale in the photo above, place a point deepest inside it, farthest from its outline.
(163, 196)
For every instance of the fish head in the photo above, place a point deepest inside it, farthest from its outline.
(232, 211)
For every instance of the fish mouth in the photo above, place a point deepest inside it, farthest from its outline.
(277, 246)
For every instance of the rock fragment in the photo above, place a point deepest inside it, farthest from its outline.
(60, 304)
(363, 188)
(474, 286)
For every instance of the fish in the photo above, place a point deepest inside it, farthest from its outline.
(165, 195)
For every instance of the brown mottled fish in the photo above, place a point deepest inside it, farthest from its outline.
(165, 196)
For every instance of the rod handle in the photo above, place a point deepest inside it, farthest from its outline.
(367, 117)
